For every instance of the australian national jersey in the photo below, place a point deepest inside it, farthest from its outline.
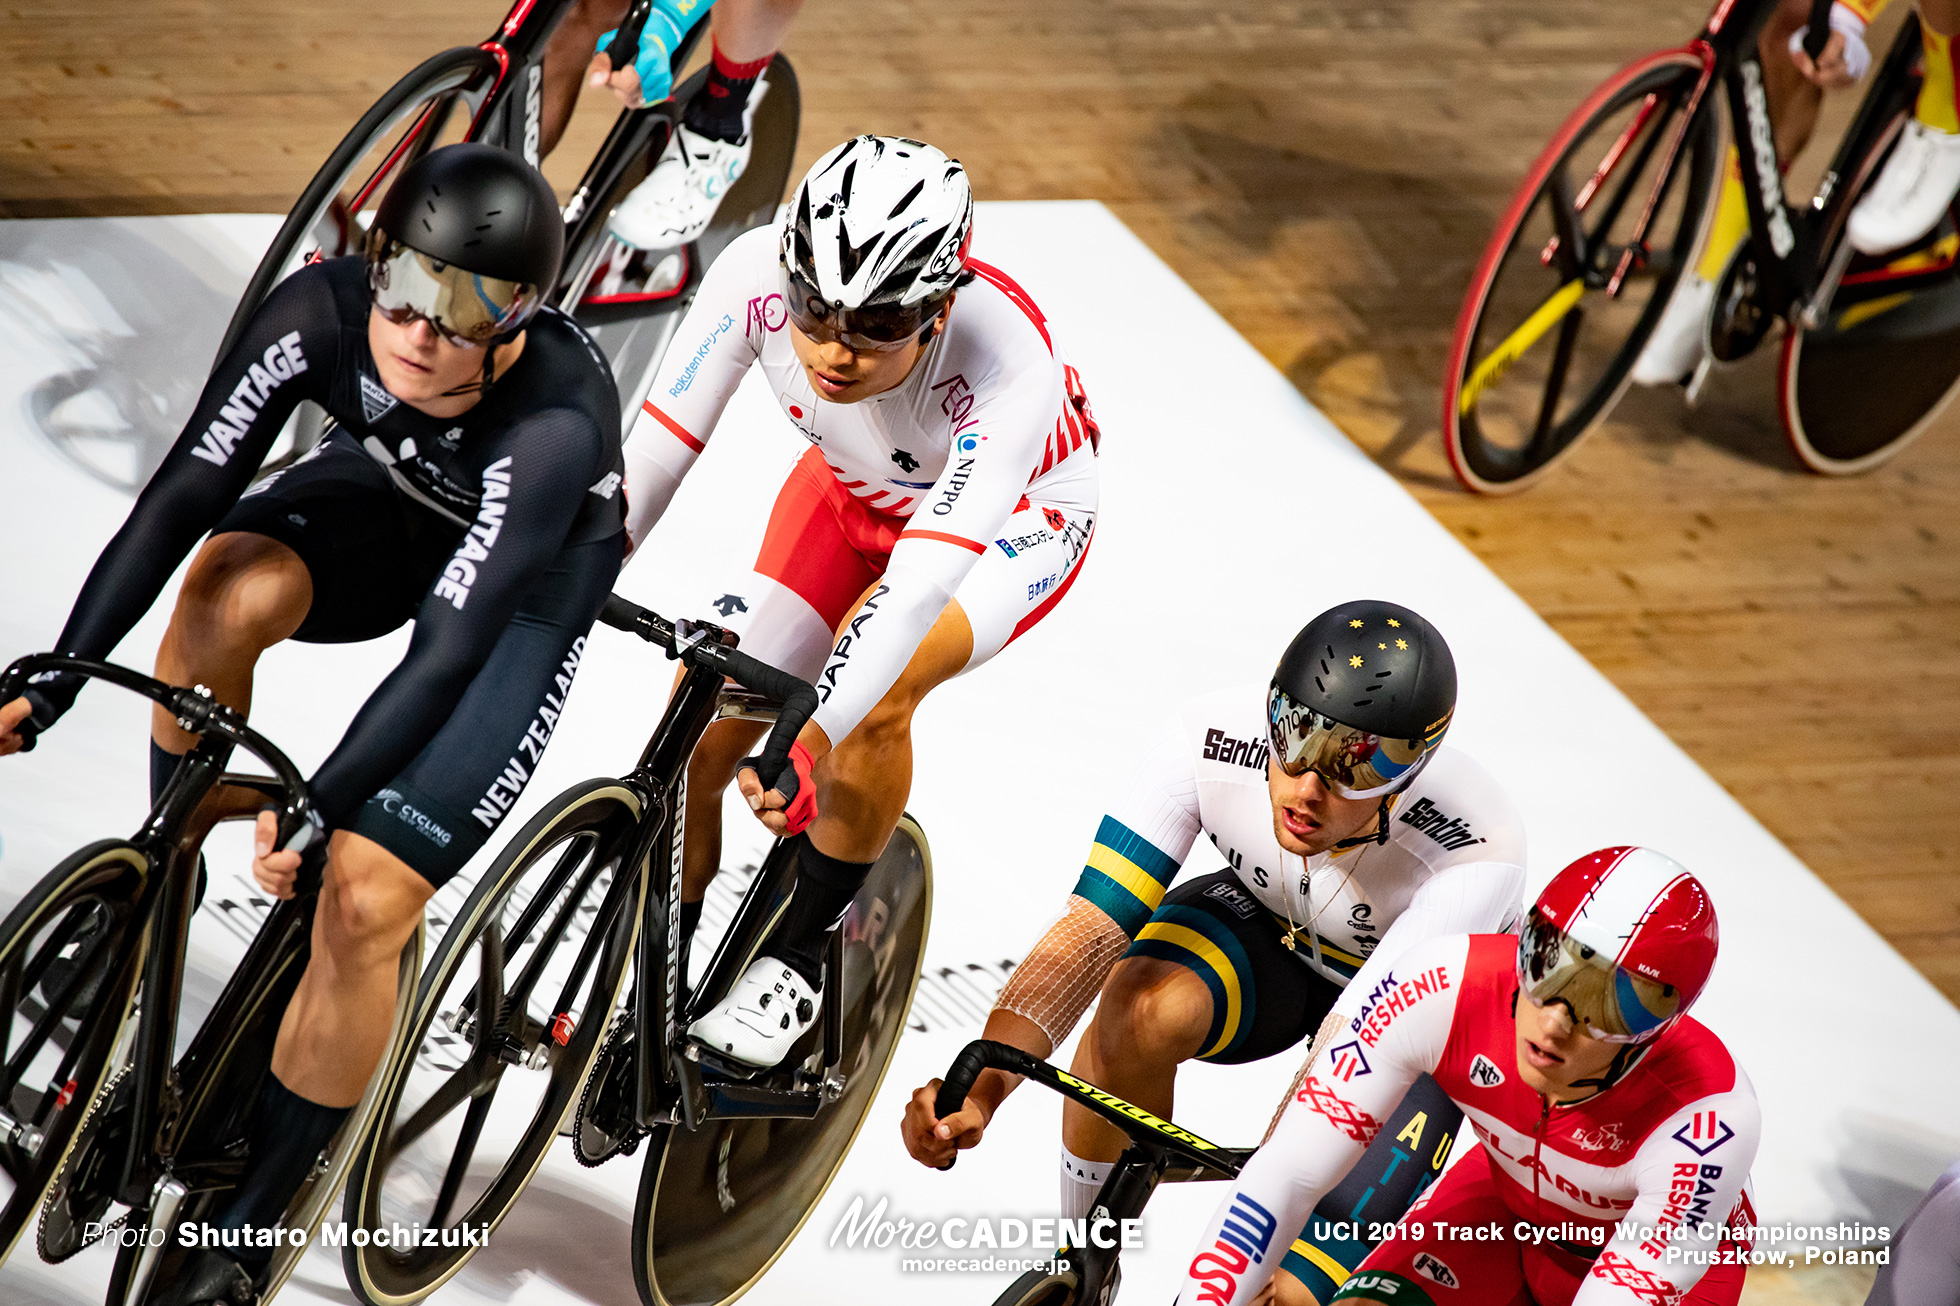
(1454, 860)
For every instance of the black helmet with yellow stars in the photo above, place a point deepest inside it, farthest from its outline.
(1362, 696)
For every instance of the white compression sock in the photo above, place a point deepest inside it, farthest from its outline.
(1081, 1181)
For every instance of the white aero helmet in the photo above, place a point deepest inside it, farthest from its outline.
(877, 236)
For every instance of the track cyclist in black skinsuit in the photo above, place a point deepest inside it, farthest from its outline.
(470, 485)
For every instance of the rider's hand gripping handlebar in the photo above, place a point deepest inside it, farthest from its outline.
(774, 765)
(196, 711)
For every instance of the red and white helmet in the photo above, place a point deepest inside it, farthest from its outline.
(1625, 937)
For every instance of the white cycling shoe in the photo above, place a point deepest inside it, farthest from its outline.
(769, 1008)
(1675, 349)
(1918, 183)
(677, 201)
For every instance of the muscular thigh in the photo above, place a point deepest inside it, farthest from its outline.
(445, 804)
(820, 552)
(371, 555)
(1264, 999)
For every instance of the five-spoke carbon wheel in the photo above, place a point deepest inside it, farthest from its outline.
(506, 1024)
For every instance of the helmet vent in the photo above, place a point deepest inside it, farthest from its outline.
(1382, 675)
(905, 200)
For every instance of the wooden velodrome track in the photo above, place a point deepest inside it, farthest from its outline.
(1325, 175)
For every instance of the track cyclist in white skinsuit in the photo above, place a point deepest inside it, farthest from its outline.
(1350, 838)
(944, 505)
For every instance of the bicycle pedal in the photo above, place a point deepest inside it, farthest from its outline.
(723, 1066)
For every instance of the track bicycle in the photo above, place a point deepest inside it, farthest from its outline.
(1581, 266)
(94, 1112)
(557, 1002)
(1087, 1271)
(493, 92)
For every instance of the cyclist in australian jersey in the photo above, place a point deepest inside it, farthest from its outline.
(471, 485)
(942, 509)
(1614, 1132)
(1351, 834)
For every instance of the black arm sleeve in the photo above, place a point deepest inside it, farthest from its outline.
(533, 487)
(286, 354)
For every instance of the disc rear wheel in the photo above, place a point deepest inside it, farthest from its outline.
(718, 1205)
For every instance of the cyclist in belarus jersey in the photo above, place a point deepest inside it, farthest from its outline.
(942, 509)
(1352, 834)
(470, 485)
(1615, 1133)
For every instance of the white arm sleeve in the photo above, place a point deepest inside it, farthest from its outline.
(711, 351)
(965, 508)
(1321, 1133)
(1471, 898)
(1687, 1200)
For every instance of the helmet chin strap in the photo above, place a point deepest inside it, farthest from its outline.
(482, 385)
(1616, 1069)
(1379, 835)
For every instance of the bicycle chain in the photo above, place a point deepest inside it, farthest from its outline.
(616, 1037)
(75, 1157)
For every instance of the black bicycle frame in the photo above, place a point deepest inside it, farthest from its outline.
(169, 841)
(512, 112)
(1786, 242)
(668, 1083)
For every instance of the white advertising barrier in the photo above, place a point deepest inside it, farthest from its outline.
(1233, 511)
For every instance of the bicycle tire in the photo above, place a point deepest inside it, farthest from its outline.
(606, 811)
(691, 1247)
(1482, 464)
(111, 872)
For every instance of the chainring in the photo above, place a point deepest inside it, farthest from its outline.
(75, 1203)
(602, 1127)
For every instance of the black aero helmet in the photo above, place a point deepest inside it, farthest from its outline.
(1362, 696)
(469, 237)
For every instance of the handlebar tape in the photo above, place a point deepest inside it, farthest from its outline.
(625, 47)
(1819, 34)
(981, 1054)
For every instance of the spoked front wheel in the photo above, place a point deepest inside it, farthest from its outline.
(1578, 273)
(718, 1205)
(69, 964)
(506, 1024)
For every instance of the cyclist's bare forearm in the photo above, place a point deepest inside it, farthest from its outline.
(993, 1086)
